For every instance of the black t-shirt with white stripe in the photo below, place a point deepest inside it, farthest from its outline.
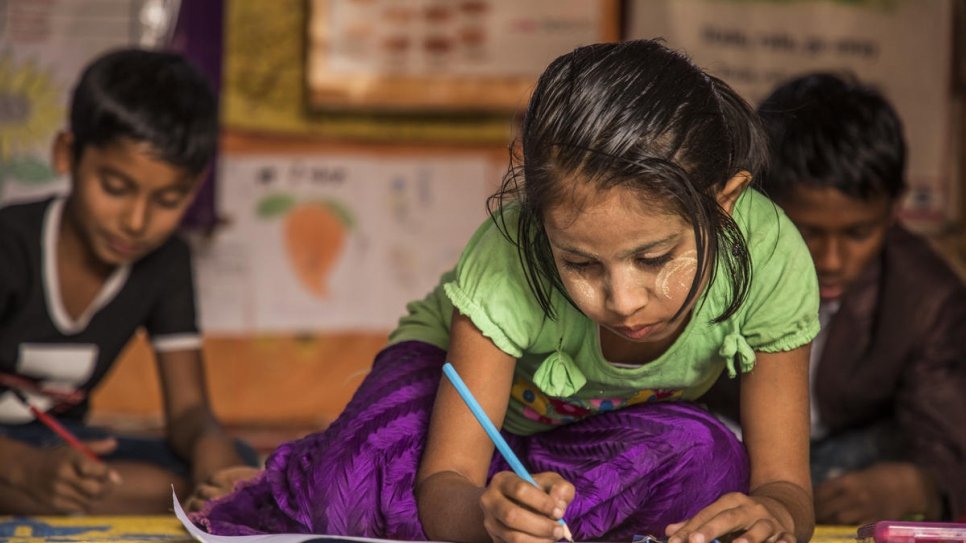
(40, 341)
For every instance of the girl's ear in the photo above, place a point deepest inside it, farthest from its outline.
(63, 153)
(732, 189)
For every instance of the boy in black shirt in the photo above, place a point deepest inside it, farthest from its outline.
(80, 275)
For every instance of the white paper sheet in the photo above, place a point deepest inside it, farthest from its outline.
(408, 219)
(205, 537)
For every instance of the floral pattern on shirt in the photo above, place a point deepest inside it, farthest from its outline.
(547, 409)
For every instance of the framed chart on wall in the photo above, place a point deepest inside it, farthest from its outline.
(426, 56)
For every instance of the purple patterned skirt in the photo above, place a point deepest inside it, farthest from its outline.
(635, 470)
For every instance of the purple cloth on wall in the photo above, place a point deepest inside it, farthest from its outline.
(198, 36)
(635, 470)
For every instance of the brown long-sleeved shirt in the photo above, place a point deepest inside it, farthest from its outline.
(896, 349)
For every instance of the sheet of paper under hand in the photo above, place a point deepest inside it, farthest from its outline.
(205, 537)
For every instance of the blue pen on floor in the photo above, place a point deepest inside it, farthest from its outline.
(494, 434)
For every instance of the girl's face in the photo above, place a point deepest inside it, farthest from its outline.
(626, 266)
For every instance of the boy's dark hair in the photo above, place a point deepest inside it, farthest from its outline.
(147, 96)
(639, 116)
(828, 130)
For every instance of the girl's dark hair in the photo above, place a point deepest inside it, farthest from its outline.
(639, 116)
(147, 96)
(830, 130)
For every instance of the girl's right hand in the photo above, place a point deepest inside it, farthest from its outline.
(63, 480)
(518, 512)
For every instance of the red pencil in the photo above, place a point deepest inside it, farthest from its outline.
(58, 429)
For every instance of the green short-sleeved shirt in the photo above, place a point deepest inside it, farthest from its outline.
(561, 375)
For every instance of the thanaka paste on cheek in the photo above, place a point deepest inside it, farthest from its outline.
(676, 276)
(583, 293)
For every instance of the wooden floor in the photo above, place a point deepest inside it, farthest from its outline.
(144, 529)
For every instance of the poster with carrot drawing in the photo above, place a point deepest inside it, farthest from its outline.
(336, 242)
(314, 235)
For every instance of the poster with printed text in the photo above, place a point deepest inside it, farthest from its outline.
(334, 242)
(902, 47)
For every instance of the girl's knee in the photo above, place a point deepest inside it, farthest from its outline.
(713, 451)
(693, 440)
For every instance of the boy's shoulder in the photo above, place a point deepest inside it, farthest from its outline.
(24, 219)
(17, 212)
(910, 259)
(918, 298)
(173, 254)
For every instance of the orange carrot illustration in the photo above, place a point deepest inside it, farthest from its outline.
(314, 235)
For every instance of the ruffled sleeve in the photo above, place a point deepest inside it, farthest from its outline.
(781, 310)
(490, 288)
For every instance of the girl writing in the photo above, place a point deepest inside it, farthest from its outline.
(625, 266)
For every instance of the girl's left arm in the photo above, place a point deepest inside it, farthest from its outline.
(192, 429)
(775, 428)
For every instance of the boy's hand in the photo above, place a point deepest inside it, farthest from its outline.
(754, 519)
(218, 485)
(885, 490)
(515, 510)
(63, 480)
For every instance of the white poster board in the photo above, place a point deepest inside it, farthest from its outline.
(902, 47)
(334, 242)
(43, 48)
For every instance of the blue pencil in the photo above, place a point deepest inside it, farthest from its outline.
(494, 434)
